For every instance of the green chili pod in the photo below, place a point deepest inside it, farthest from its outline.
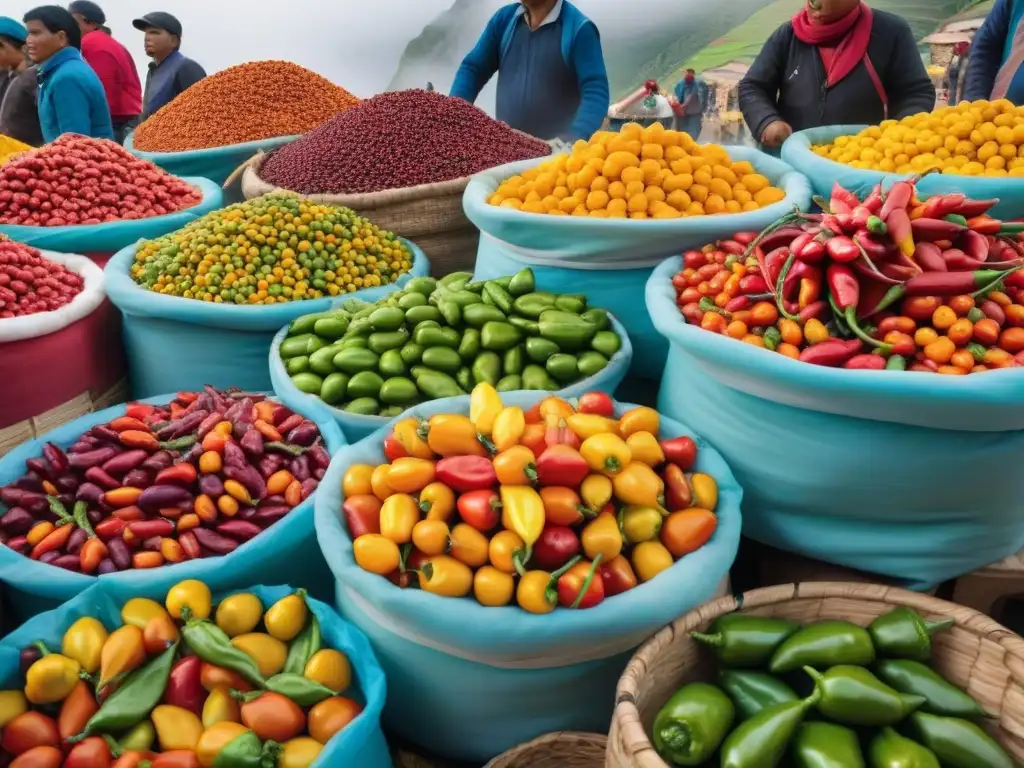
(959, 743)
(212, 645)
(691, 725)
(903, 634)
(853, 696)
(304, 646)
(743, 640)
(522, 283)
(941, 696)
(761, 741)
(890, 750)
(753, 691)
(301, 690)
(247, 751)
(826, 745)
(824, 644)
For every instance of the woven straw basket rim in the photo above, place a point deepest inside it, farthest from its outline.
(562, 749)
(977, 654)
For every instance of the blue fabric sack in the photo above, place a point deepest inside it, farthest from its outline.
(286, 552)
(355, 427)
(115, 235)
(176, 344)
(823, 173)
(516, 675)
(610, 259)
(216, 163)
(865, 469)
(360, 744)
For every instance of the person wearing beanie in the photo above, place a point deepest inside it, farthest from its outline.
(19, 118)
(70, 95)
(170, 72)
(113, 65)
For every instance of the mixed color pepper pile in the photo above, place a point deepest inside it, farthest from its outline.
(174, 688)
(891, 282)
(831, 693)
(159, 485)
(437, 339)
(554, 506)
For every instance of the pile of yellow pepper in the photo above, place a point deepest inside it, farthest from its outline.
(185, 684)
(557, 505)
(10, 147)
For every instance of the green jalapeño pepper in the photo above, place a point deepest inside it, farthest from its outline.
(959, 743)
(522, 282)
(826, 745)
(532, 305)
(304, 646)
(691, 725)
(854, 696)
(246, 751)
(744, 640)
(941, 696)
(210, 643)
(567, 330)
(890, 750)
(753, 691)
(301, 690)
(761, 741)
(824, 644)
(903, 634)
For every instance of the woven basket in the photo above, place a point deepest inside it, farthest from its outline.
(978, 655)
(565, 749)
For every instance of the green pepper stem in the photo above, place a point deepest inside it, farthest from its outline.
(850, 316)
(587, 581)
(779, 298)
(565, 568)
(676, 739)
(40, 646)
(116, 750)
(815, 696)
(715, 641)
(937, 626)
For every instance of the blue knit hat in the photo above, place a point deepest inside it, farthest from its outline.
(13, 29)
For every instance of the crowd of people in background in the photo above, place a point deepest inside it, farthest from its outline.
(62, 71)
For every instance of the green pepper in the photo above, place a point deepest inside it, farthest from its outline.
(364, 384)
(301, 690)
(959, 743)
(359, 326)
(532, 305)
(412, 353)
(417, 315)
(382, 341)
(941, 696)
(408, 301)
(753, 691)
(522, 283)
(140, 692)
(501, 298)
(569, 302)
(321, 362)
(304, 646)
(331, 327)
(853, 696)
(761, 741)
(478, 315)
(297, 365)
(138, 739)
(359, 342)
(305, 324)
(422, 285)
(247, 751)
(391, 411)
(335, 388)
(436, 385)
(499, 337)
(392, 364)
(450, 311)
(566, 330)
(463, 299)
(535, 377)
(363, 406)
(890, 750)
(826, 745)
(460, 279)
(563, 368)
(464, 378)
(354, 360)
(691, 725)
(210, 643)
(308, 382)
(592, 363)
(598, 317)
(442, 359)
(297, 346)
(607, 343)
(745, 640)
(513, 362)
(539, 350)
(469, 347)
(903, 634)
(487, 368)
(824, 644)
(510, 383)
(399, 390)
(529, 327)
(435, 337)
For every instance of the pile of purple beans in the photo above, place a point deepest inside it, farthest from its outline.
(394, 140)
(195, 478)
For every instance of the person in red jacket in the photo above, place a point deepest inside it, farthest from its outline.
(114, 66)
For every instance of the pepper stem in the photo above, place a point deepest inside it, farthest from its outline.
(40, 646)
(116, 750)
(587, 581)
(937, 626)
(850, 316)
(715, 641)
(565, 568)
(779, 298)
(676, 738)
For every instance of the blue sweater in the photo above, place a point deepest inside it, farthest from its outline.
(552, 81)
(991, 49)
(71, 98)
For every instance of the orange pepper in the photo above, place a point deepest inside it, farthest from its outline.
(227, 506)
(453, 434)
(278, 483)
(562, 506)
(641, 419)
(645, 448)
(268, 431)
(263, 411)
(398, 516)
(356, 481)
(122, 497)
(188, 522)
(407, 433)
(224, 428)
(555, 407)
(533, 438)
(409, 475)
(688, 530)
(210, 462)
(124, 651)
(211, 677)
(516, 466)
(92, 553)
(293, 493)
(214, 441)
(437, 500)
(204, 508)
(144, 560)
(54, 540)
(379, 482)
(237, 491)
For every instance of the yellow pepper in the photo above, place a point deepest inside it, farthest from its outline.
(238, 614)
(140, 738)
(176, 728)
(509, 427)
(330, 668)
(287, 617)
(407, 433)
(484, 407)
(452, 434)
(445, 576)
(189, 599)
(408, 475)
(83, 642)
(124, 651)
(268, 652)
(596, 492)
(523, 514)
(645, 448)
(602, 538)
(639, 486)
(12, 704)
(640, 524)
(504, 550)
(139, 611)
(437, 501)
(492, 587)
(606, 453)
(589, 424)
(220, 707)
(641, 419)
(215, 738)
(51, 679)
(398, 516)
(555, 407)
(705, 491)
(651, 558)
(536, 592)
(301, 752)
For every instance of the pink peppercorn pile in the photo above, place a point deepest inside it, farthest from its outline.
(398, 139)
(30, 283)
(79, 180)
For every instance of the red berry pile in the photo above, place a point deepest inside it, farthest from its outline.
(30, 283)
(79, 180)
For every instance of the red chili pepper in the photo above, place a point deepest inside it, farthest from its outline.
(580, 587)
(899, 272)
(897, 199)
(147, 529)
(558, 432)
(177, 411)
(861, 215)
(816, 311)
(745, 238)
(842, 249)
(362, 515)
(678, 494)
(831, 353)
(180, 474)
(138, 411)
(468, 473)
(753, 284)
(970, 209)
(985, 225)
(773, 265)
(393, 449)
(958, 261)
(110, 528)
(187, 398)
(124, 423)
(951, 283)
(598, 403)
(865, 363)
(557, 545)
(184, 686)
(739, 303)
(939, 206)
(929, 257)
(843, 197)
(797, 272)
(134, 438)
(618, 576)
(873, 202)
(876, 251)
(779, 238)
(559, 465)
(289, 424)
(681, 451)
(900, 231)
(731, 247)
(844, 287)
(933, 230)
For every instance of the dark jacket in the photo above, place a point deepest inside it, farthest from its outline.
(166, 80)
(991, 48)
(19, 115)
(787, 81)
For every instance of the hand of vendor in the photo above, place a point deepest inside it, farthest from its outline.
(776, 133)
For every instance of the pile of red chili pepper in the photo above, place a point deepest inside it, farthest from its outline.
(553, 506)
(890, 282)
(195, 478)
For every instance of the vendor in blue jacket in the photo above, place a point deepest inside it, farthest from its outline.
(70, 95)
(552, 82)
(997, 56)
